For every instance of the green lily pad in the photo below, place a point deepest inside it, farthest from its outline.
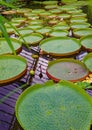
(68, 1)
(80, 25)
(34, 27)
(5, 49)
(88, 61)
(60, 46)
(49, 2)
(79, 15)
(64, 16)
(22, 19)
(61, 27)
(67, 7)
(74, 11)
(32, 39)
(55, 11)
(87, 42)
(11, 68)
(53, 22)
(36, 22)
(23, 31)
(58, 33)
(78, 19)
(82, 32)
(49, 7)
(44, 30)
(51, 106)
(67, 69)
(37, 11)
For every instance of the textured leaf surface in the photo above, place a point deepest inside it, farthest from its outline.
(11, 66)
(60, 45)
(4, 47)
(67, 69)
(61, 106)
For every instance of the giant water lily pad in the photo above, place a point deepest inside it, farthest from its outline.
(23, 31)
(79, 15)
(34, 27)
(78, 19)
(11, 68)
(20, 19)
(61, 27)
(51, 106)
(32, 39)
(49, 7)
(64, 16)
(88, 61)
(5, 48)
(60, 46)
(67, 7)
(44, 30)
(80, 25)
(67, 69)
(87, 42)
(49, 2)
(82, 32)
(58, 33)
(68, 1)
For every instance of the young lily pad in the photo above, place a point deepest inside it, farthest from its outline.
(62, 106)
(88, 61)
(5, 49)
(60, 46)
(11, 68)
(87, 42)
(67, 69)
